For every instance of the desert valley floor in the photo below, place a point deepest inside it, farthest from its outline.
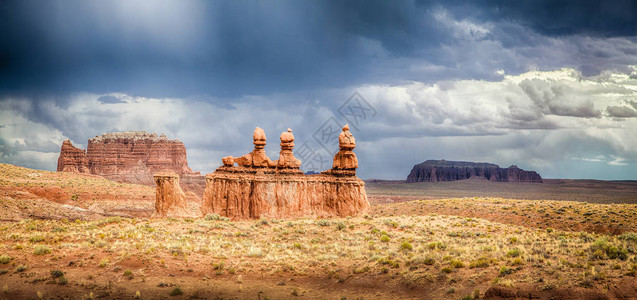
(76, 236)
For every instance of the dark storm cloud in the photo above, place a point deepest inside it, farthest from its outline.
(234, 48)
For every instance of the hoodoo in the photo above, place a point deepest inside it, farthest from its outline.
(259, 187)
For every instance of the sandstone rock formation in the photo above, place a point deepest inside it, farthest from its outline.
(132, 156)
(72, 159)
(279, 189)
(170, 200)
(345, 161)
(442, 170)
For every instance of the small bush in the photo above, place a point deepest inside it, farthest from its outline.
(212, 217)
(446, 270)
(405, 245)
(340, 226)
(129, 274)
(104, 262)
(384, 238)
(5, 259)
(322, 222)
(436, 246)
(56, 273)
(36, 239)
(41, 250)
(456, 263)
(481, 262)
(505, 271)
(429, 261)
(515, 252)
(176, 291)
(602, 246)
(20, 268)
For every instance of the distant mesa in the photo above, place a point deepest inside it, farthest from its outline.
(444, 170)
(131, 156)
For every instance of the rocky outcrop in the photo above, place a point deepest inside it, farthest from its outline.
(72, 159)
(132, 156)
(170, 200)
(442, 170)
(262, 188)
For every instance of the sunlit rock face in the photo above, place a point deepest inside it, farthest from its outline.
(261, 188)
(133, 157)
(170, 200)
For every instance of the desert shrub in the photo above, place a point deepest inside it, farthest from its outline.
(36, 239)
(176, 291)
(513, 240)
(384, 238)
(517, 262)
(429, 261)
(21, 268)
(515, 252)
(5, 259)
(109, 220)
(446, 270)
(322, 222)
(212, 217)
(405, 245)
(602, 246)
(263, 222)
(628, 236)
(56, 273)
(104, 262)
(41, 250)
(456, 263)
(340, 226)
(436, 246)
(481, 262)
(505, 271)
(361, 270)
(388, 261)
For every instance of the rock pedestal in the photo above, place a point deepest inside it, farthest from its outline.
(280, 189)
(170, 200)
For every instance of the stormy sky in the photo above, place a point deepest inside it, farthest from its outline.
(546, 85)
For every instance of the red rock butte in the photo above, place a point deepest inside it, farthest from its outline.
(258, 187)
(131, 156)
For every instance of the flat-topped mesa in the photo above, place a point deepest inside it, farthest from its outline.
(279, 189)
(443, 170)
(131, 156)
(170, 200)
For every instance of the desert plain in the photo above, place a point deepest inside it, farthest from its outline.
(67, 235)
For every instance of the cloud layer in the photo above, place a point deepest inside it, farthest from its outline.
(541, 120)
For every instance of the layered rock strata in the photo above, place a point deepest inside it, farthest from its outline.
(442, 170)
(132, 156)
(278, 189)
(170, 200)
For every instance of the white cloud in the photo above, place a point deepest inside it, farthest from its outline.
(542, 120)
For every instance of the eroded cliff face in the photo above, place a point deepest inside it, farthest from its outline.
(170, 200)
(133, 157)
(72, 159)
(262, 188)
(241, 194)
(442, 170)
